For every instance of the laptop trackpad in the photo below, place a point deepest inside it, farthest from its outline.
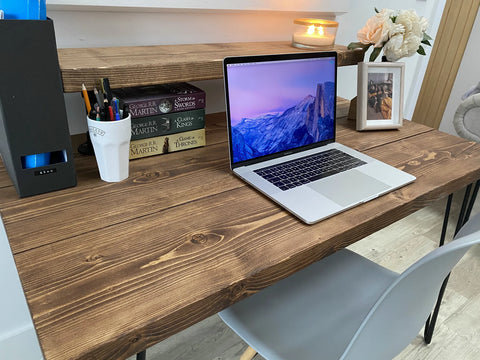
(349, 188)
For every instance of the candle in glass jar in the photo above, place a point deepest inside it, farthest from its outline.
(314, 36)
(313, 32)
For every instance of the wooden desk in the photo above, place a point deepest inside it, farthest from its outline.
(109, 269)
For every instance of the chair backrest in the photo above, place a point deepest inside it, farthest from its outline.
(467, 118)
(401, 311)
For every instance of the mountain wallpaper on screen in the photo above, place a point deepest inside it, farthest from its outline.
(311, 120)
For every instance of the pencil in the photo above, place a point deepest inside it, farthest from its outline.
(86, 99)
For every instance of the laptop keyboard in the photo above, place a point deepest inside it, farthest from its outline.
(303, 170)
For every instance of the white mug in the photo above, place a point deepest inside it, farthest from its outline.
(111, 143)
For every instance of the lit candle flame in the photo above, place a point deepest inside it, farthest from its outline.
(311, 30)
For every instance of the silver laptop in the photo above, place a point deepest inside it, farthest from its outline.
(281, 125)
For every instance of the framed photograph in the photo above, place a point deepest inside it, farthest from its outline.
(380, 95)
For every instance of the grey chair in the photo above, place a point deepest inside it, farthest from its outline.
(466, 120)
(346, 307)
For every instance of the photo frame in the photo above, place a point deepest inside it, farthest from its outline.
(380, 95)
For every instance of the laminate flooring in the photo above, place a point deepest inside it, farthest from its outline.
(457, 333)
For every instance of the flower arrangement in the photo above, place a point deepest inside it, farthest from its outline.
(399, 33)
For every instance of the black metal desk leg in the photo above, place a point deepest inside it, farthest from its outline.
(142, 355)
(463, 217)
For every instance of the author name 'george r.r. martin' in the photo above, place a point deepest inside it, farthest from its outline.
(147, 147)
(142, 109)
(147, 127)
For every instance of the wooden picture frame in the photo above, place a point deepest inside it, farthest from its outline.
(380, 95)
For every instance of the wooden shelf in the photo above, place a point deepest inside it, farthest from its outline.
(146, 65)
(311, 7)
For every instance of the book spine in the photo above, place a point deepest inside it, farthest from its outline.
(152, 126)
(165, 104)
(167, 143)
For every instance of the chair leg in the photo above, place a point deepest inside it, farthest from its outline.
(445, 220)
(432, 319)
(472, 201)
(142, 355)
(248, 354)
(462, 219)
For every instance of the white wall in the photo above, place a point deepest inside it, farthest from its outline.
(116, 26)
(18, 339)
(468, 75)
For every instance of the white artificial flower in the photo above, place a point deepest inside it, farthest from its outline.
(411, 22)
(387, 13)
(394, 28)
(400, 46)
(393, 48)
(399, 33)
(423, 24)
(405, 43)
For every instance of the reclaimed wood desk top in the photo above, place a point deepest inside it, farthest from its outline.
(109, 269)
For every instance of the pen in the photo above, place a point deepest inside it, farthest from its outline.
(97, 95)
(86, 99)
(110, 112)
(116, 110)
(103, 114)
(106, 88)
(92, 114)
(105, 106)
(126, 111)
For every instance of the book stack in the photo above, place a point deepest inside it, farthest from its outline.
(165, 118)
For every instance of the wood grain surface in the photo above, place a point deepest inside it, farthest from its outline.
(147, 65)
(109, 269)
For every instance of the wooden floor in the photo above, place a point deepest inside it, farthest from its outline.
(457, 334)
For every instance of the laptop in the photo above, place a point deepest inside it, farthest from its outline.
(281, 127)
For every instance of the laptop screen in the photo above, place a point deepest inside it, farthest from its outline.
(279, 103)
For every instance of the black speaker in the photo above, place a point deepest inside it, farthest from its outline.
(34, 141)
